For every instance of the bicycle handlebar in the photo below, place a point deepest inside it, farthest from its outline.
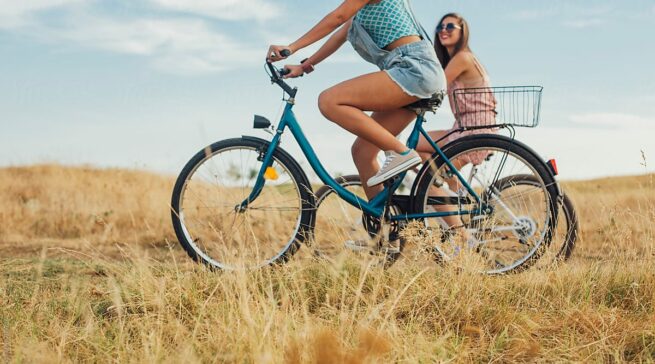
(277, 74)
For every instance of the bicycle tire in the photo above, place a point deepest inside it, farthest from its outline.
(573, 228)
(505, 147)
(220, 232)
(570, 216)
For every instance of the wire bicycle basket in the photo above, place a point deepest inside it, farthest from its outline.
(492, 107)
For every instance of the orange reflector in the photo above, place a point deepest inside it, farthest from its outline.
(271, 174)
(553, 166)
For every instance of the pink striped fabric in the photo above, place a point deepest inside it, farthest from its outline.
(473, 111)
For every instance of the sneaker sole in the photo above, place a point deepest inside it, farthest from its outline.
(357, 248)
(374, 181)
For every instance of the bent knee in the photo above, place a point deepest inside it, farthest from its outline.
(327, 101)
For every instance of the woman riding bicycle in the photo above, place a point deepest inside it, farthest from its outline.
(387, 34)
(245, 203)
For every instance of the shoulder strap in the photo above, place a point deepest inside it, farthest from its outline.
(418, 25)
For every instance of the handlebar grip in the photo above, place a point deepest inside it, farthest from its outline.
(284, 71)
(285, 53)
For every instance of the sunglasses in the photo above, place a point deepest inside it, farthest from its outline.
(447, 27)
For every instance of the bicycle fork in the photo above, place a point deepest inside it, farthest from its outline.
(266, 171)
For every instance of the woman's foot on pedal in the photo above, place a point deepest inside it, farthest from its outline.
(395, 164)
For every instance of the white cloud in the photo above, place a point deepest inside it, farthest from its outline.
(224, 9)
(174, 45)
(17, 8)
(613, 120)
(15, 13)
(187, 45)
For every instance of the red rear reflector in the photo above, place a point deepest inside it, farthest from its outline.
(553, 166)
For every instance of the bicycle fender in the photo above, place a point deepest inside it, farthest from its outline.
(469, 138)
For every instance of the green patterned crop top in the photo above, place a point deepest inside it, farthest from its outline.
(387, 21)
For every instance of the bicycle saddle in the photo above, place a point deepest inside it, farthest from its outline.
(431, 104)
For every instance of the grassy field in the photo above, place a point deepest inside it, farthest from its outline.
(91, 271)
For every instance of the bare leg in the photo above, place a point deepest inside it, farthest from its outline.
(343, 104)
(426, 151)
(365, 153)
(424, 148)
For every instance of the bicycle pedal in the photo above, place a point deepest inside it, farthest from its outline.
(391, 181)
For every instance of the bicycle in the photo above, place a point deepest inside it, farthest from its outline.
(245, 203)
(354, 226)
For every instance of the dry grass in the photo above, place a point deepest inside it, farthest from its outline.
(82, 208)
(67, 298)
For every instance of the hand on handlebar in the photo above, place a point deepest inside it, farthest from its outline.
(277, 53)
(293, 71)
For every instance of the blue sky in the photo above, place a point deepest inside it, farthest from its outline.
(147, 83)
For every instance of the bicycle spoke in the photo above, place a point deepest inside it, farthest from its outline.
(520, 216)
(216, 228)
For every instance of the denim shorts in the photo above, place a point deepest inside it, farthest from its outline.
(416, 69)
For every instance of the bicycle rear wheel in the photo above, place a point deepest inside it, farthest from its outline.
(572, 228)
(516, 224)
(206, 206)
(566, 233)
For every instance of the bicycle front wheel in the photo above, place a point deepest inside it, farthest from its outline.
(212, 223)
(509, 227)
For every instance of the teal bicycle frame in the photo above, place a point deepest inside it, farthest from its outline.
(377, 205)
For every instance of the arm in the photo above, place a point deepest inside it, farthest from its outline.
(332, 21)
(457, 66)
(327, 25)
(332, 45)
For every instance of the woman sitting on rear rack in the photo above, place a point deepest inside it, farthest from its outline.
(463, 71)
(472, 102)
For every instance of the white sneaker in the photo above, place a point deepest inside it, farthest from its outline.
(471, 244)
(357, 245)
(396, 163)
